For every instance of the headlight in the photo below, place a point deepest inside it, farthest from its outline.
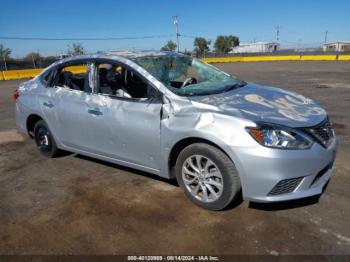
(279, 137)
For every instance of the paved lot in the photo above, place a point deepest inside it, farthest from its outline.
(76, 205)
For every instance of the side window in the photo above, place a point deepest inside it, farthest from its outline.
(75, 77)
(116, 80)
(45, 78)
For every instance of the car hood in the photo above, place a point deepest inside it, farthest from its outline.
(265, 104)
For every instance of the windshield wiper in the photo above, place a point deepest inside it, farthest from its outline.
(237, 85)
(241, 83)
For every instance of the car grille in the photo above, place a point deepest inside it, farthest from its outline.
(285, 186)
(322, 133)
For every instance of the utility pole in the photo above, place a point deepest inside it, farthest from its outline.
(278, 33)
(176, 23)
(5, 64)
(299, 45)
(325, 36)
(33, 61)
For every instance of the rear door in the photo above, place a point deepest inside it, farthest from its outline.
(46, 101)
(72, 93)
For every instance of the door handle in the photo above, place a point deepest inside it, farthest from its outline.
(48, 104)
(94, 112)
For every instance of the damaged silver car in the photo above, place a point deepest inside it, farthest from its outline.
(178, 117)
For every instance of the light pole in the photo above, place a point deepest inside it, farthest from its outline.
(176, 23)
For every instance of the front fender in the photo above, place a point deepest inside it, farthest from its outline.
(226, 132)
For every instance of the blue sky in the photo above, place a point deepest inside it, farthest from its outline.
(304, 21)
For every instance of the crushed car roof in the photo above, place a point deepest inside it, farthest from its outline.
(135, 54)
(127, 54)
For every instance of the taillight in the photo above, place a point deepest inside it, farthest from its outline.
(15, 95)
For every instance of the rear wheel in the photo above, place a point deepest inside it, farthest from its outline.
(44, 140)
(207, 176)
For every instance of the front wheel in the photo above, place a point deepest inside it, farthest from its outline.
(44, 140)
(207, 176)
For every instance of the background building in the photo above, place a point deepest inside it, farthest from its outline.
(339, 46)
(258, 47)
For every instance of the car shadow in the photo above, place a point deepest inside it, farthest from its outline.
(172, 182)
(275, 206)
(283, 205)
(235, 203)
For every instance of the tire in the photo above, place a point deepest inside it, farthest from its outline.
(211, 160)
(44, 140)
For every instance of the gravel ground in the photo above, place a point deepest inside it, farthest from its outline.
(77, 205)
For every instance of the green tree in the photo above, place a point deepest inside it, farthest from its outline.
(76, 49)
(224, 44)
(34, 55)
(201, 45)
(4, 52)
(169, 46)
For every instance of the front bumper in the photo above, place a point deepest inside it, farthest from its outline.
(272, 175)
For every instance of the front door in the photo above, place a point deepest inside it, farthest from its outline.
(126, 130)
(125, 117)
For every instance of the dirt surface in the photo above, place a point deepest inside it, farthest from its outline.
(77, 205)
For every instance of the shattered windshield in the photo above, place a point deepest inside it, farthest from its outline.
(187, 76)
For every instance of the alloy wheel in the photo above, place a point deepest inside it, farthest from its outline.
(202, 178)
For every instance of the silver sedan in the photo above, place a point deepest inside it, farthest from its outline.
(177, 117)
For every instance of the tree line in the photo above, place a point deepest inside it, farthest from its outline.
(73, 49)
(222, 45)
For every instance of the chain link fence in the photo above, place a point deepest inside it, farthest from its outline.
(275, 53)
(17, 64)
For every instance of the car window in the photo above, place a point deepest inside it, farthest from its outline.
(75, 77)
(45, 77)
(116, 80)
